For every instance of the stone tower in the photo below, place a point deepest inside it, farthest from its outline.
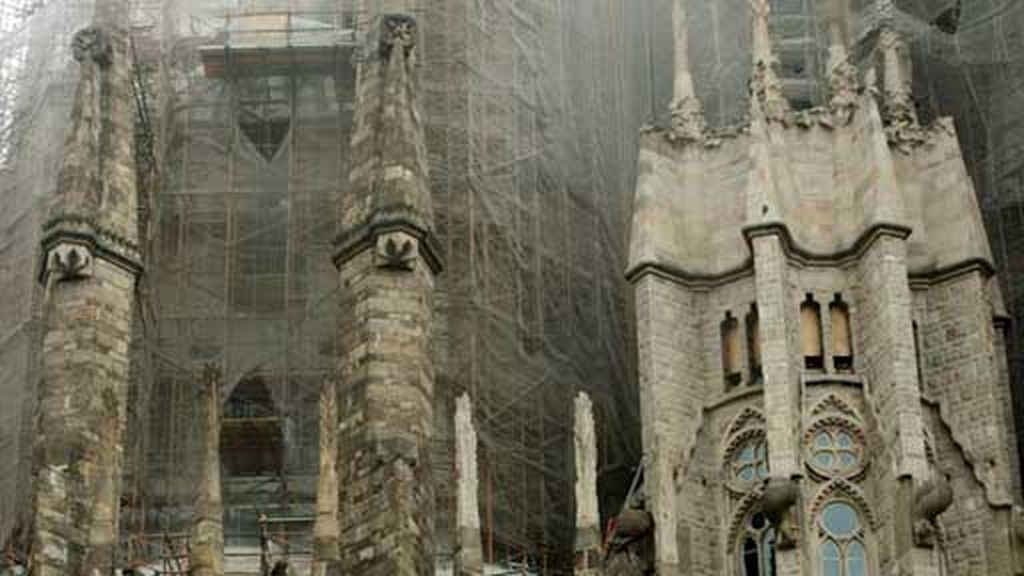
(90, 264)
(821, 350)
(387, 259)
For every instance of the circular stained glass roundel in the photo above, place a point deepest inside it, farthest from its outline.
(840, 519)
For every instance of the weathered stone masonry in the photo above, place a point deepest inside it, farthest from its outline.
(847, 243)
(91, 262)
(387, 260)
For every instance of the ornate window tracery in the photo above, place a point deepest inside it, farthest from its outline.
(757, 547)
(841, 549)
(750, 462)
(836, 450)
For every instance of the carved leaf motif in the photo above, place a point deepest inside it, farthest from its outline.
(398, 254)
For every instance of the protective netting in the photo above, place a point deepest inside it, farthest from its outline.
(531, 109)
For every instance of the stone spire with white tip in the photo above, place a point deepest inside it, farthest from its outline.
(687, 113)
(766, 87)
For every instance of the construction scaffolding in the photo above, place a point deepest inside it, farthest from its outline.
(531, 110)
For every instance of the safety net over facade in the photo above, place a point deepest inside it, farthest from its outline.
(532, 110)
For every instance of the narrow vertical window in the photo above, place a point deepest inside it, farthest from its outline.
(757, 553)
(753, 326)
(842, 343)
(917, 354)
(730, 330)
(810, 334)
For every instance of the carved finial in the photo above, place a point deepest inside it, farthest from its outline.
(92, 43)
(687, 114)
(766, 88)
(900, 117)
(842, 76)
(397, 30)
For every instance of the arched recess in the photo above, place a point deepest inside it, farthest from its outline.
(753, 329)
(751, 539)
(810, 334)
(252, 433)
(842, 335)
(731, 351)
(843, 526)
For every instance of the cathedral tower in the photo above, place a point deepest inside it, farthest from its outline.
(823, 382)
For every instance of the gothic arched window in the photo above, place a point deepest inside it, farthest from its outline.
(751, 461)
(841, 550)
(757, 547)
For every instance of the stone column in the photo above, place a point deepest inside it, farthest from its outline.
(887, 342)
(588, 517)
(779, 354)
(90, 264)
(469, 556)
(325, 530)
(387, 258)
(206, 547)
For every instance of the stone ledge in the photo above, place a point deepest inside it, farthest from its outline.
(100, 242)
(363, 237)
(821, 379)
(734, 396)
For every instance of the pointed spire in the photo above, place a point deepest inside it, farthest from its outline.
(766, 88)
(842, 76)
(687, 114)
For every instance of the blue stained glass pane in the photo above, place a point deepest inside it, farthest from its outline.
(855, 559)
(746, 473)
(840, 519)
(762, 470)
(747, 455)
(830, 559)
(847, 459)
(823, 440)
(823, 459)
(760, 451)
(843, 440)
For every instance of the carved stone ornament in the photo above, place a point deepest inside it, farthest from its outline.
(67, 262)
(767, 88)
(397, 30)
(94, 44)
(687, 121)
(843, 86)
(778, 501)
(396, 251)
(931, 498)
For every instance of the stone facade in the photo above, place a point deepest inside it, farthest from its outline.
(89, 269)
(821, 363)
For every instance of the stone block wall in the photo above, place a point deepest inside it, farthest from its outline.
(671, 387)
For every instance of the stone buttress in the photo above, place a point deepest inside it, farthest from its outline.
(387, 260)
(90, 263)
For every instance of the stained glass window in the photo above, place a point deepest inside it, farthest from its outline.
(751, 463)
(757, 553)
(835, 450)
(841, 551)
